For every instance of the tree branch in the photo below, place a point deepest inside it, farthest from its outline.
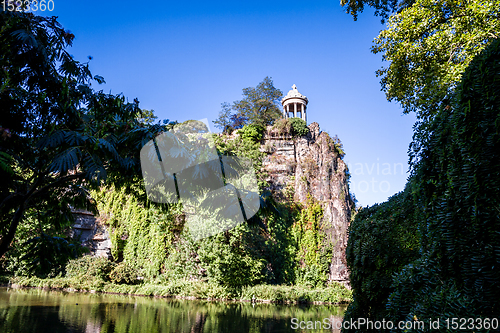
(56, 183)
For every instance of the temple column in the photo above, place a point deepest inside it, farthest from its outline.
(294, 98)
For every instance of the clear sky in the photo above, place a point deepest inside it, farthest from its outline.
(183, 59)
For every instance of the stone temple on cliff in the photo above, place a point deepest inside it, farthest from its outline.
(294, 104)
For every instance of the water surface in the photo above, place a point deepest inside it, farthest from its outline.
(34, 310)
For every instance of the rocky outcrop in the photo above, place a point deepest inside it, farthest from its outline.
(91, 233)
(312, 165)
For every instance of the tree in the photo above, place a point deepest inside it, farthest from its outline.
(224, 121)
(429, 44)
(62, 136)
(147, 117)
(238, 121)
(383, 8)
(260, 106)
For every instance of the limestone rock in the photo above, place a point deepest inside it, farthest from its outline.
(312, 165)
(91, 233)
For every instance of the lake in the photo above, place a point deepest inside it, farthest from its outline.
(35, 310)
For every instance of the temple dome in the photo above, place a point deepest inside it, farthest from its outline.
(294, 93)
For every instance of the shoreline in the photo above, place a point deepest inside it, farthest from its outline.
(189, 298)
(297, 295)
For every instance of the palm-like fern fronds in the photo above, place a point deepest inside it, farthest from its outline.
(65, 161)
(5, 162)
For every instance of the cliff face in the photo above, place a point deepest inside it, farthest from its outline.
(312, 165)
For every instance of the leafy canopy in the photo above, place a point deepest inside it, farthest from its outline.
(456, 182)
(428, 45)
(383, 8)
(59, 136)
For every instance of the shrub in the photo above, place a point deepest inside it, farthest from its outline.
(234, 258)
(252, 132)
(123, 273)
(282, 126)
(298, 127)
(90, 267)
(291, 126)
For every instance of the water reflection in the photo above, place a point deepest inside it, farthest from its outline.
(36, 310)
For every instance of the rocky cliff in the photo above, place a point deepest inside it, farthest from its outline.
(312, 165)
(308, 170)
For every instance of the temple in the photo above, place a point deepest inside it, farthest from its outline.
(294, 104)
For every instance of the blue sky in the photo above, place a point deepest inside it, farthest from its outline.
(184, 59)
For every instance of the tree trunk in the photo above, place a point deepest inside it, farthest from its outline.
(5, 241)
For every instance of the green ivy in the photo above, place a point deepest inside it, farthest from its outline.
(246, 144)
(313, 254)
(383, 238)
(282, 246)
(432, 252)
(140, 235)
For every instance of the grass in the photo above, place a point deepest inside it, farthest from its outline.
(334, 294)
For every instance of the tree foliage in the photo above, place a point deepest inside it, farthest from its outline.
(383, 8)
(454, 185)
(223, 122)
(428, 45)
(59, 136)
(458, 180)
(147, 117)
(382, 239)
(260, 106)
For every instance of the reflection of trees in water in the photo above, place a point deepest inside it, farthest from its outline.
(199, 324)
(93, 327)
(39, 311)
